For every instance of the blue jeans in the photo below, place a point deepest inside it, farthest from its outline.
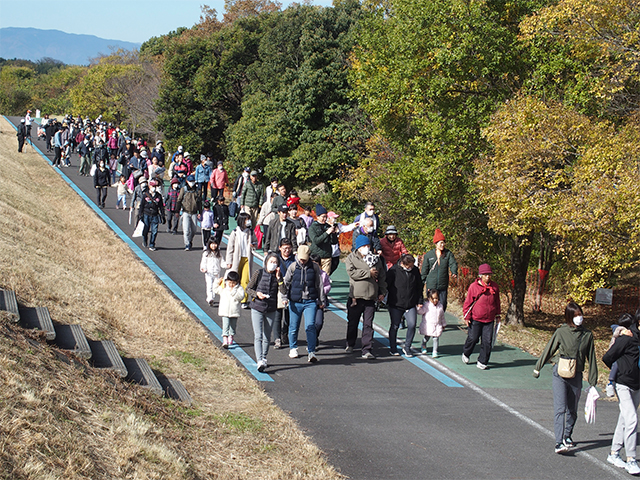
(189, 228)
(296, 310)
(150, 223)
(395, 315)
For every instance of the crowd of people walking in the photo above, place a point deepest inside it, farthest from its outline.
(302, 250)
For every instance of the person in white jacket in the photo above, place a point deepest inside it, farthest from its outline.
(231, 294)
(210, 266)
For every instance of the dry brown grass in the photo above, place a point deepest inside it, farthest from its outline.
(55, 252)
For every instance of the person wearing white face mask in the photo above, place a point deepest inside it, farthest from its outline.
(242, 242)
(367, 283)
(571, 343)
(263, 293)
(368, 230)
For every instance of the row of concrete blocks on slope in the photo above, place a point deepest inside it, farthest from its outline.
(102, 354)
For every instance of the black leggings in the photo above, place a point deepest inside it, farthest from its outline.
(101, 191)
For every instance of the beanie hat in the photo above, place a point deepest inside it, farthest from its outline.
(438, 236)
(361, 241)
(391, 230)
(320, 210)
(484, 269)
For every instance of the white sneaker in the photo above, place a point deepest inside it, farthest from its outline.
(481, 366)
(312, 358)
(632, 466)
(615, 460)
(293, 353)
(465, 359)
(262, 365)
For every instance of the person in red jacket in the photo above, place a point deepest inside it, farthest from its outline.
(392, 247)
(481, 309)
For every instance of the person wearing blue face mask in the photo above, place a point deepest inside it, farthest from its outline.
(570, 344)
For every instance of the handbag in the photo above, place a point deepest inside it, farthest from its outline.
(567, 367)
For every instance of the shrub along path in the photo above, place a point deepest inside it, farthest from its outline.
(403, 418)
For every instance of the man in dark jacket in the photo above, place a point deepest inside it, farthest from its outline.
(22, 134)
(323, 235)
(281, 227)
(151, 213)
(190, 202)
(304, 289)
(251, 197)
(625, 353)
(405, 294)
(436, 265)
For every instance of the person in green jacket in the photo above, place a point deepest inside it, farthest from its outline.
(570, 340)
(251, 197)
(322, 236)
(436, 265)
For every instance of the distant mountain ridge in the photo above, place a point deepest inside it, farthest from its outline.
(70, 48)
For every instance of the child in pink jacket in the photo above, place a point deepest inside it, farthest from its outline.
(433, 321)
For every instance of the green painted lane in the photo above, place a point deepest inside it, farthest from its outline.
(509, 367)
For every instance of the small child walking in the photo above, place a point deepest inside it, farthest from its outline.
(206, 222)
(433, 321)
(231, 295)
(210, 266)
(122, 191)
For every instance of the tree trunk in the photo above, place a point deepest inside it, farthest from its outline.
(547, 243)
(520, 256)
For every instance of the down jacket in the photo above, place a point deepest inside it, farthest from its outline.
(230, 299)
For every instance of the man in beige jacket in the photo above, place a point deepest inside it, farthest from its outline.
(367, 283)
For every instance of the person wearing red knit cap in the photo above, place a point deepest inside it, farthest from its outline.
(481, 309)
(436, 265)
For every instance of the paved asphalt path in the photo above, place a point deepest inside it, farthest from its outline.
(390, 418)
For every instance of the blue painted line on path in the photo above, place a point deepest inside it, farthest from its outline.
(421, 364)
(242, 356)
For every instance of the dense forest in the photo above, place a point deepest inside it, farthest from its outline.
(511, 125)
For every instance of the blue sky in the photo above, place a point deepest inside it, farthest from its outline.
(128, 20)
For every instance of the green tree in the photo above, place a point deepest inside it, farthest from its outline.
(557, 172)
(430, 73)
(297, 120)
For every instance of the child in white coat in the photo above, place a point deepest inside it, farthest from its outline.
(210, 266)
(231, 294)
(433, 321)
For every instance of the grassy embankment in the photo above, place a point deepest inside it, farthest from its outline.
(62, 421)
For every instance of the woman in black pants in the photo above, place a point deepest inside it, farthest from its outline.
(101, 183)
